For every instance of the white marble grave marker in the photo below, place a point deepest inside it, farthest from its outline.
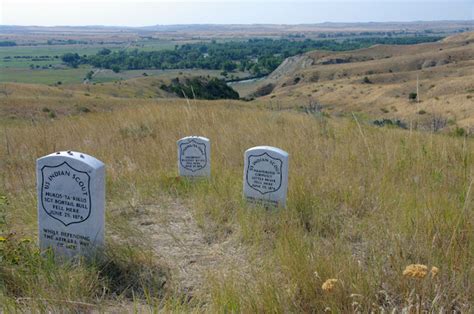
(194, 156)
(71, 203)
(266, 176)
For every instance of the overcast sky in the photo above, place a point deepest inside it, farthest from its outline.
(152, 12)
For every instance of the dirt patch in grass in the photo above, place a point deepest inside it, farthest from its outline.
(173, 233)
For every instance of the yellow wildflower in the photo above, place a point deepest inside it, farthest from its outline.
(416, 271)
(329, 285)
(3, 239)
(434, 271)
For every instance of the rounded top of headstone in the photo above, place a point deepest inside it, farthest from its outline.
(201, 138)
(267, 148)
(88, 159)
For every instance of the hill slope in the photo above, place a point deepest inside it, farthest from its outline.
(363, 203)
(379, 79)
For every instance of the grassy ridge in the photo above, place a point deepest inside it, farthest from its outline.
(363, 203)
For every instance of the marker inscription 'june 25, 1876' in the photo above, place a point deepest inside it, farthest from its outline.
(194, 156)
(71, 203)
(65, 193)
(264, 173)
(266, 176)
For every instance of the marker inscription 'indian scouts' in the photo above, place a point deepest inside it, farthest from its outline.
(266, 176)
(71, 203)
(194, 157)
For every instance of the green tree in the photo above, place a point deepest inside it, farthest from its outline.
(104, 52)
(229, 66)
(89, 75)
(71, 59)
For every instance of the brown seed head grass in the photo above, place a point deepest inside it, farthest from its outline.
(416, 271)
(346, 206)
(329, 285)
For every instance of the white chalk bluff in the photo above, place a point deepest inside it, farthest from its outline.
(71, 203)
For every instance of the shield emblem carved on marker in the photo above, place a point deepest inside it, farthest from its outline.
(264, 173)
(65, 193)
(193, 156)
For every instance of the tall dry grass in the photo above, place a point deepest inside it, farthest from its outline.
(363, 203)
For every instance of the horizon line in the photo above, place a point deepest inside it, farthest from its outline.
(470, 21)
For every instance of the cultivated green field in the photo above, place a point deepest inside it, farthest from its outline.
(42, 64)
(54, 53)
(44, 76)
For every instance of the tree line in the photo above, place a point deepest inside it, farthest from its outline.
(7, 43)
(200, 88)
(256, 56)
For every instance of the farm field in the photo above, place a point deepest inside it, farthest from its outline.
(42, 64)
(44, 76)
(52, 53)
(70, 76)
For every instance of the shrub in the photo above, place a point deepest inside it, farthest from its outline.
(89, 75)
(83, 109)
(459, 132)
(412, 96)
(390, 123)
(264, 90)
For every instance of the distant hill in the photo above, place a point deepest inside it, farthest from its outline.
(378, 80)
(206, 31)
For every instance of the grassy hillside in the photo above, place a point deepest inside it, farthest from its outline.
(363, 204)
(379, 80)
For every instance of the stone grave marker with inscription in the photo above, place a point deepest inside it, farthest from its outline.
(266, 176)
(71, 203)
(194, 157)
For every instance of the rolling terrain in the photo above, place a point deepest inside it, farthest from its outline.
(378, 81)
(28, 34)
(364, 203)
